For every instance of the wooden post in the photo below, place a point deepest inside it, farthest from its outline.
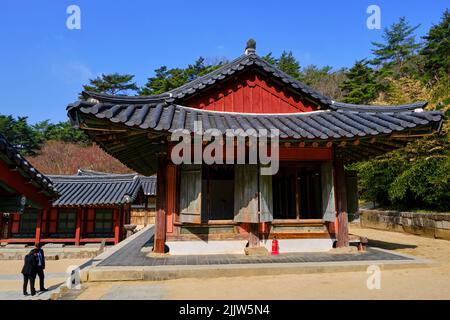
(78, 227)
(116, 225)
(161, 203)
(9, 227)
(1, 225)
(37, 238)
(171, 195)
(146, 210)
(253, 235)
(342, 231)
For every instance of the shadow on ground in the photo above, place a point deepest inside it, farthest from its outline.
(390, 245)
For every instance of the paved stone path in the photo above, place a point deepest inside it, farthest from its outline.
(131, 255)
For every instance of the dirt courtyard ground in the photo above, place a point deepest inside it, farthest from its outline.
(415, 283)
(11, 278)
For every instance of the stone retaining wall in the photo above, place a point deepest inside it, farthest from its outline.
(423, 224)
(14, 252)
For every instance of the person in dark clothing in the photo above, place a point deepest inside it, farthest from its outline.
(29, 272)
(40, 266)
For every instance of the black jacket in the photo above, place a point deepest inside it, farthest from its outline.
(29, 266)
(43, 258)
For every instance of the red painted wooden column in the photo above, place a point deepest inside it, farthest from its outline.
(78, 227)
(37, 238)
(116, 225)
(1, 225)
(161, 204)
(171, 196)
(342, 228)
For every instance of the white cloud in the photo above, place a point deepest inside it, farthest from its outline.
(72, 72)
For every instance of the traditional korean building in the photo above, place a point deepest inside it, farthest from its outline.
(143, 207)
(22, 187)
(218, 208)
(90, 208)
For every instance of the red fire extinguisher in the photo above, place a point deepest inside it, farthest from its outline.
(275, 246)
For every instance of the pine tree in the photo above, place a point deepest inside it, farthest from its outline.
(112, 84)
(200, 68)
(167, 79)
(289, 64)
(270, 59)
(437, 49)
(393, 56)
(21, 135)
(360, 86)
(164, 80)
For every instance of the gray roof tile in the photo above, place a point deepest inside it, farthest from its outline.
(89, 188)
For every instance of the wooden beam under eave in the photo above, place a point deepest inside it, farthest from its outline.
(391, 142)
(367, 153)
(356, 157)
(101, 129)
(377, 146)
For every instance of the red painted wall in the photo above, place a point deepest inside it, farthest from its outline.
(15, 181)
(49, 223)
(251, 92)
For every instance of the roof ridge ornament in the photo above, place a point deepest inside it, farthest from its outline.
(251, 47)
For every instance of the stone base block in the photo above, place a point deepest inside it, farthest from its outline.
(299, 245)
(206, 247)
(257, 251)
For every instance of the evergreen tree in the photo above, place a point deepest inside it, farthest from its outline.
(437, 49)
(289, 64)
(200, 68)
(112, 84)
(167, 79)
(399, 44)
(164, 80)
(61, 131)
(270, 59)
(360, 86)
(20, 134)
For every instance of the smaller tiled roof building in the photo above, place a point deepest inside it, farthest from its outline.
(22, 187)
(20, 180)
(92, 207)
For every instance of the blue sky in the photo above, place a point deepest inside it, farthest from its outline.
(44, 64)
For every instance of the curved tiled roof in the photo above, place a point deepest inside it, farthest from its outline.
(13, 158)
(148, 185)
(134, 129)
(245, 61)
(107, 189)
(228, 69)
(346, 121)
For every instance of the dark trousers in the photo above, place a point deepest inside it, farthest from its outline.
(29, 278)
(40, 273)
